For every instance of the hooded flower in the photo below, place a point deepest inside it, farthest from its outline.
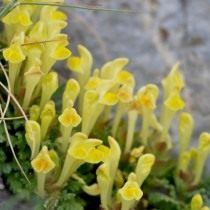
(43, 163)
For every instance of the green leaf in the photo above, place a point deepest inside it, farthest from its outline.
(163, 202)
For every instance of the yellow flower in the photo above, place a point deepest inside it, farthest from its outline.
(70, 94)
(147, 96)
(47, 115)
(14, 54)
(184, 161)
(196, 202)
(109, 98)
(125, 78)
(136, 152)
(38, 32)
(19, 15)
(49, 86)
(98, 154)
(31, 80)
(78, 153)
(69, 117)
(92, 189)
(49, 110)
(43, 163)
(74, 63)
(173, 82)
(81, 148)
(204, 141)
(131, 190)
(33, 136)
(205, 208)
(81, 63)
(60, 53)
(144, 167)
(112, 68)
(147, 101)
(125, 94)
(58, 15)
(174, 102)
(93, 83)
(34, 112)
(107, 171)
(103, 176)
(24, 18)
(201, 156)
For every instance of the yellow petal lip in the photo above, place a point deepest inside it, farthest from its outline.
(147, 101)
(18, 16)
(58, 15)
(61, 53)
(174, 81)
(69, 117)
(84, 149)
(204, 141)
(148, 159)
(174, 102)
(176, 77)
(72, 86)
(74, 63)
(109, 99)
(93, 83)
(14, 54)
(147, 95)
(197, 202)
(24, 19)
(79, 152)
(131, 191)
(94, 156)
(185, 119)
(49, 110)
(43, 163)
(34, 70)
(125, 77)
(103, 171)
(124, 94)
(98, 154)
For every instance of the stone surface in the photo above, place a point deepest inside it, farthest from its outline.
(162, 33)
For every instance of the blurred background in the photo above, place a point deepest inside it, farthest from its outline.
(162, 33)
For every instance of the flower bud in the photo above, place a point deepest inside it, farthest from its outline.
(49, 86)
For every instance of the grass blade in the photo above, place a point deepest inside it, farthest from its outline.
(12, 149)
(4, 10)
(78, 6)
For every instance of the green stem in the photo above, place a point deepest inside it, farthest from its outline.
(127, 205)
(41, 177)
(145, 127)
(117, 118)
(27, 97)
(66, 135)
(165, 121)
(132, 118)
(14, 70)
(199, 166)
(45, 124)
(69, 167)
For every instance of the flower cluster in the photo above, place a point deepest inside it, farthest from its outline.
(94, 99)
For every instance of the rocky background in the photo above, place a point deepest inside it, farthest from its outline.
(162, 33)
